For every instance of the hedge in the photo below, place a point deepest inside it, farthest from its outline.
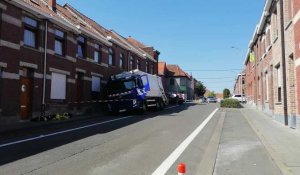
(230, 103)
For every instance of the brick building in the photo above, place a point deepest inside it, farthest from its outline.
(239, 86)
(55, 58)
(272, 73)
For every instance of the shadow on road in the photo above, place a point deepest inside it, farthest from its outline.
(22, 150)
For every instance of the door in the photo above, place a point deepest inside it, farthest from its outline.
(25, 104)
(79, 89)
(1, 72)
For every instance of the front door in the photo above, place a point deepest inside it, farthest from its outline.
(25, 104)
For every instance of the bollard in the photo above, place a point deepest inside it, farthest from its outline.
(181, 169)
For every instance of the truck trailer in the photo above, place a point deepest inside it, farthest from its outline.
(135, 91)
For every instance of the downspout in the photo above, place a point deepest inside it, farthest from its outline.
(45, 69)
(285, 110)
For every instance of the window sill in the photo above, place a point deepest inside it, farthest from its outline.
(60, 56)
(57, 101)
(269, 48)
(94, 62)
(288, 25)
(31, 48)
(274, 41)
(278, 103)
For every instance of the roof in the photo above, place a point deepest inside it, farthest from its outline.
(176, 71)
(136, 42)
(72, 18)
(142, 47)
(162, 68)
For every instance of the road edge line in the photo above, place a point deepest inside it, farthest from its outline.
(207, 164)
(272, 153)
(170, 160)
(61, 132)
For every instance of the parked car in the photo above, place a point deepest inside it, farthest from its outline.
(211, 100)
(174, 98)
(203, 99)
(240, 98)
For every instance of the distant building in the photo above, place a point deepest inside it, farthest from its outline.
(176, 80)
(239, 86)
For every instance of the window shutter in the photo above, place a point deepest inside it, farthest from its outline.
(58, 86)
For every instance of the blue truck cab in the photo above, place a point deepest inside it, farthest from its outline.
(135, 91)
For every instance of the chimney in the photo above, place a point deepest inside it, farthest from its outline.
(52, 4)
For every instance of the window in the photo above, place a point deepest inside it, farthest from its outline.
(58, 86)
(138, 64)
(279, 83)
(268, 39)
(182, 82)
(172, 81)
(121, 64)
(96, 84)
(59, 42)
(275, 24)
(267, 86)
(110, 56)
(30, 32)
(97, 53)
(81, 46)
(290, 9)
(152, 69)
(147, 67)
(131, 63)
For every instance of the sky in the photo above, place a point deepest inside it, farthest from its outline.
(207, 38)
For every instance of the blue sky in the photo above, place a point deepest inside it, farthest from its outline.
(195, 34)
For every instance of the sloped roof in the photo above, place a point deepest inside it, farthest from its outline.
(176, 71)
(136, 42)
(162, 66)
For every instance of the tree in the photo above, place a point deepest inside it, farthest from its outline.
(212, 94)
(200, 89)
(226, 93)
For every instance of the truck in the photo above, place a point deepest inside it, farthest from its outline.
(135, 91)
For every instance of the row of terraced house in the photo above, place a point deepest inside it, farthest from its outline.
(54, 57)
(271, 79)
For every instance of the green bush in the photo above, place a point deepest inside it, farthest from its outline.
(230, 103)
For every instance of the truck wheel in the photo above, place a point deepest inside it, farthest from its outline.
(161, 105)
(157, 102)
(143, 109)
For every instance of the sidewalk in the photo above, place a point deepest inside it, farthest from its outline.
(240, 150)
(282, 142)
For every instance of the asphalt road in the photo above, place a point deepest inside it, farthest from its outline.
(153, 143)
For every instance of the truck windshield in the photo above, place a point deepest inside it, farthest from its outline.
(120, 86)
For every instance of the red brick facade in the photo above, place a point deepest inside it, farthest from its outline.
(274, 41)
(19, 61)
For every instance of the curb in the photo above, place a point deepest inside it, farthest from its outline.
(272, 153)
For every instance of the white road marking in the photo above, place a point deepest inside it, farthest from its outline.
(168, 162)
(66, 131)
(61, 132)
